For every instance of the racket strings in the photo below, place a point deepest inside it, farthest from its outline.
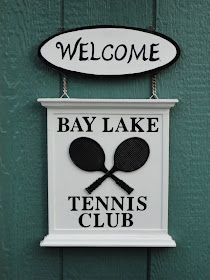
(133, 155)
(88, 157)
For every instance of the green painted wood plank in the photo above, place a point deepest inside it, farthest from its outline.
(189, 81)
(23, 166)
(104, 264)
(107, 263)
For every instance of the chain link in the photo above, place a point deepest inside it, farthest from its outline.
(154, 88)
(65, 94)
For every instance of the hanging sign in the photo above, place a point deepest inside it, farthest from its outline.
(108, 172)
(109, 50)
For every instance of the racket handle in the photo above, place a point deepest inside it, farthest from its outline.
(99, 181)
(94, 185)
(122, 184)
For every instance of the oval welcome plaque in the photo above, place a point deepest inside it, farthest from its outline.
(109, 50)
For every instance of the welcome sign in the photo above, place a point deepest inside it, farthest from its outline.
(108, 172)
(109, 50)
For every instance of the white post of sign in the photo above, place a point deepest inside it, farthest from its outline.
(108, 167)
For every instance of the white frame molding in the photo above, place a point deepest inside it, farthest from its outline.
(109, 238)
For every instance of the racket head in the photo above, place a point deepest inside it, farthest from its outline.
(87, 154)
(131, 154)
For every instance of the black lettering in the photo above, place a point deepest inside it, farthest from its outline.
(81, 220)
(76, 125)
(121, 125)
(93, 51)
(140, 202)
(74, 198)
(82, 51)
(106, 125)
(142, 51)
(109, 222)
(102, 202)
(123, 54)
(127, 217)
(63, 125)
(111, 56)
(130, 203)
(89, 124)
(152, 52)
(116, 201)
(136, 125)
(152, 123)
(97, 221)
(87, 202)
(59, 45)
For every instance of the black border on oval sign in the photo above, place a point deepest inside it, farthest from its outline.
(65, 71)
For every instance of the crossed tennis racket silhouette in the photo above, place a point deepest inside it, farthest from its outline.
(88, 155)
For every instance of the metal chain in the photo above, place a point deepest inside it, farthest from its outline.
(154, 88)
(153, 96)
(65, 94)
(154, 78)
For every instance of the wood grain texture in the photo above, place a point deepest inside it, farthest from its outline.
(107, 263)
(104, 264)
(189, 81)
(23, 166)
(23, 158)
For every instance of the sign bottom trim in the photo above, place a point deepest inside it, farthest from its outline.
(107, 240)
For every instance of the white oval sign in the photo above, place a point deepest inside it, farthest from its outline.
(109, 50)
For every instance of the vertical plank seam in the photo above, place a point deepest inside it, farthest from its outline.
(154, 13)
(154, 25)
(149, 251)
(61, 85)
(62, 14)
(61, 30)
(61, 263)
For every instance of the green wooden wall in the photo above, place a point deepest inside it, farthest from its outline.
(24, 24)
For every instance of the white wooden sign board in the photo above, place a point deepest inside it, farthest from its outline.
(108, 216)
(109, 50)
